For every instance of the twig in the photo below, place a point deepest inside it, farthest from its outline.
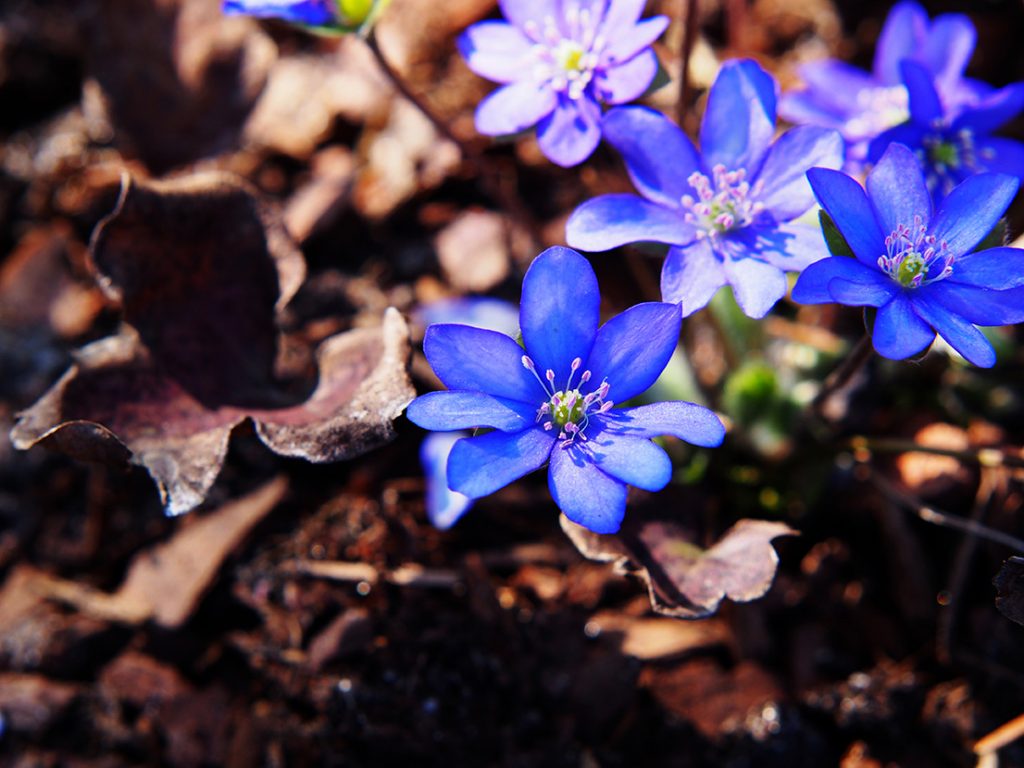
(1005, 734)
(986, 457)
(841, 376)
(689, 16)
(405, 576)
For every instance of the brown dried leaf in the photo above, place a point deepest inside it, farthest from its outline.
(474, 251)
(1009, 583)
(682, 579)
(31, 703)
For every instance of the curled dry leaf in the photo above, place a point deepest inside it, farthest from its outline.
(683, 580)
(1009, 583)
(201, 269)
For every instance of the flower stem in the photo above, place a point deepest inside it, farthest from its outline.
(846, 370)
(689, 15)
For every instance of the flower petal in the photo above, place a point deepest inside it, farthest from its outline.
(859, 294)
(980, 306)
(835, 85)
(625, 42)
(845, 201)
(631, 460)
(633, 348)
(948, 47)
(571, 132)
(609, 221)
(514, 108)
(960, 334)
(897, 190)
(628, 81)
(693, 423)
(584, 493)
(444, 506)
(479, 466)
(908, 134)
(756, 284)
(314, 12)
(899, 332)
(475, 359)
(901, 36)
(1001, 155)
(496, 50)
(925, 104)
(658, 155)
(559, 310)
(739, 121)
(790, 247)
(620, 15)
(691, 275)
(994, 268)
(972, 209)
(445, 411)
(522, 12)
(785, 192)
(812, 287)
(992, 111)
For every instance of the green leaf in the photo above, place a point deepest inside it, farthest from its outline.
(834, 239)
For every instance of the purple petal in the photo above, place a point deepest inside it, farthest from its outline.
(445, 411)
(479, 466)
(1002, 155)
(790, 247)
(908, 134)
(785, 192)
(860, 294)
(812, 287)
(627, 41)
(994, 110)
(756, 284)
(625, 82)
(480, 312)
(496, 50)
(739, 121)
(514, 108)
(609, 221)
(846, 203)
(631, 460)
(633, 348)
(559, 310)
(313, 12)
(901, 37)
(835, 85)
(693, 423)
(925, 104)
(897, 190)
(584, 493)
(948, 47)
(522, 12)
(980, 306)
(621, 14)
(691, 275)
(899, 333)
(444, 506)
(972, 209)
(960, 334)
(571, 133)
(995, 268)
(658, 155)
(474, 359)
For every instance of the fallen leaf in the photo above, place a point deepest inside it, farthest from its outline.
(1009, 583)
(201, 270)
(474, 251)
(656, 638)
(683, 580)
(32, 703)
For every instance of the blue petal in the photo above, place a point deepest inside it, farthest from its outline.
(925, 104)
(739, 121)
(478, 311)
(1002, 155)
(897, 190)
(627, 42)
(496, 50)
(631, 460)
(994, 110)
(584, 493)
(901, 37)
(860, 294)
(632, 349)
(908, 134)
(846, 203)
(972, 209)
(559, 310)
(609, 221)
(522, 12)
(948, 47)
(785, 192)
(980, 306)
(693, 423)
(899, 333)
(691, 275)
(756, 284)
(812, 287)
(444, 411)
(474, 359)
(479, 466)
(995, 268)
(960, 334)
(835, 85)
(658, 155)
(571, 132)
(514, 108)
(623, 83)
(313, 12)
(790, 247)
(444, 506)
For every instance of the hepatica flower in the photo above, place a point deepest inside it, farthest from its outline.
(726, 210)
(860, 104)
(914, 265)
(559, 61)
(552, 400)
(954, 144)
(344, 14)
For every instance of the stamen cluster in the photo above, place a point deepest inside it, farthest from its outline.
(949, 156)
(567, 63)
(912, 254)
(568, 408)
(726, 204)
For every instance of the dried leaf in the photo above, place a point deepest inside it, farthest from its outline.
(684, 580)
(1009, 583)
(32, 703)
(474, 251)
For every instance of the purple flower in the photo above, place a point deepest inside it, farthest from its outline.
(860, 104)
(558, 61)
(914, 265)
(339, 14)
(725, 211)
(552, 401)
(954, 144)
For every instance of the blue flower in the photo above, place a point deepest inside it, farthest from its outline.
(558, 61)
(725, 211)
(340, 14)
(914, 265)
(860, 104)
(952, 144)
(552, 401)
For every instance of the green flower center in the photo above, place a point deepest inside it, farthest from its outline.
(945, 153)
(911, 270)
(567, 408)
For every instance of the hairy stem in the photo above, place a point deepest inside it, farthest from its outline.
(689, 16)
